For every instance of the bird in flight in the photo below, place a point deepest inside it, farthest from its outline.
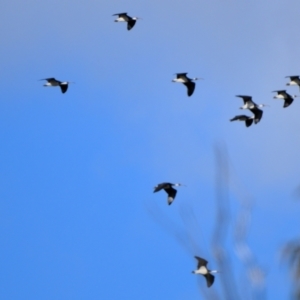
(288, 99)
(123, 17)
(203, 270)
(188, 82)
(168, 187)
(294, 80)
(53, 82)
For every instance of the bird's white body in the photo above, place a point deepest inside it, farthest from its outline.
(202, 270)
(279, 97)
(247, 105)
(121, 19)
(180, 80)
(54, 83)
(292, 83)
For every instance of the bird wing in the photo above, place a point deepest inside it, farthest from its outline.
(120, 14)
(209, 279)
(293, 77)
(245, 98)
(257, 114)
(161, 186)
(49, 79)
(130, 24)
(181, 75)
(201, 262)
(281, 92)
(248, 122)
(64, 88)
(190, 87)
(171, 194)
(288, 100)
(239, 118)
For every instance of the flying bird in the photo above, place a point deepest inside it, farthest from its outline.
(123, 17)
(168, 187)
(248, 120)
(188, 82)
(203, 270)
(249, 103)
(53, 82)
(294, 80)
(288, 99)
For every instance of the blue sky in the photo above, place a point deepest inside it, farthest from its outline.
(78, 217)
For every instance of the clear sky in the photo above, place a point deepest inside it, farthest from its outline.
(78, 216)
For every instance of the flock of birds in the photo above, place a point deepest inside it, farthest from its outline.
(190, 85)
(255, 108)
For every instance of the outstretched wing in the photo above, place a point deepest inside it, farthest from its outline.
(120, 14)
(239, 118)
(288, 101)
(49, 79)
(161, 186)
(171, 194)
(257, 114)
(64, 88)
(209, 279)
(130, 24)
(248, 122)
(181, 75)
(201, 262)
(190, 87)
(245, 98)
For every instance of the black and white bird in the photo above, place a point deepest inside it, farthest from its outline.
(203, 270)
(248, 120)
(294, 80)
(53, 82)
(168, 187)
(288, 99)
(123, 17)
(188, 82)
(249, 103)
